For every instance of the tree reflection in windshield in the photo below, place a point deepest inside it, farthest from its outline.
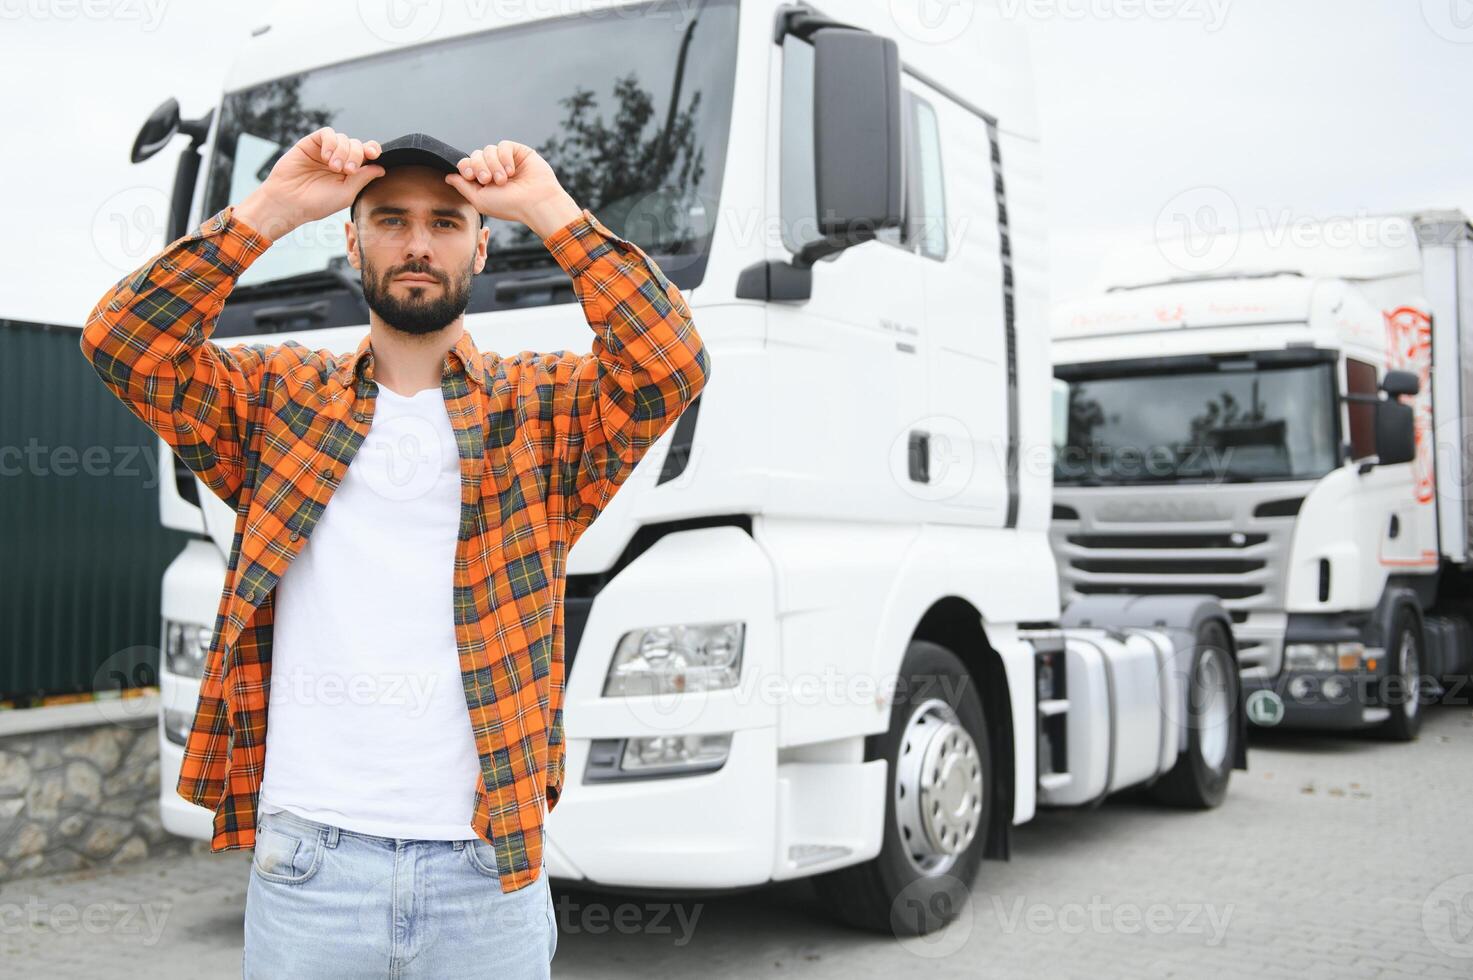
(630, 106)
(1265, 424)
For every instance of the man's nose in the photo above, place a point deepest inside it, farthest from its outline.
(418, 245)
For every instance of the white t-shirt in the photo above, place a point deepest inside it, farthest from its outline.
(367, 726)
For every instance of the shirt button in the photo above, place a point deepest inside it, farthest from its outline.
(295, 535)
(251, 596)
(326, 474)
(360, 417)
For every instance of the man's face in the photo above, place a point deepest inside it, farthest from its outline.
(417, 242)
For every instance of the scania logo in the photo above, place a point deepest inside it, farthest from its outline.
(1160, 510)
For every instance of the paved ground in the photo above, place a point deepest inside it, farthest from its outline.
(1333, 857)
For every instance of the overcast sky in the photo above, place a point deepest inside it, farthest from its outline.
(1285, 110)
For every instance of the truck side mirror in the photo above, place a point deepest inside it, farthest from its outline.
(1400, 383)
(1395, 429)
(156, 131)
(162, 125)
(857, 133)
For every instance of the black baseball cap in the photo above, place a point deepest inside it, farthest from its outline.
(417, 150)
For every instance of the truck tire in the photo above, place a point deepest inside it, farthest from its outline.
(1406, 657)
(1199, 779)
(938, 803)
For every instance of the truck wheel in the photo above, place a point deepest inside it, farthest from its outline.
(938, 803)
(1200, 777)
(1404, 682)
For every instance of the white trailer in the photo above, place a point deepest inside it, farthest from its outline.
(855, 215)
(1286, 431)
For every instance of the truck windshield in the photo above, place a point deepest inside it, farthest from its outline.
(1203, 424)
(631, 107)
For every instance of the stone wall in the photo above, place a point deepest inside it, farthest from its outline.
(80, 797)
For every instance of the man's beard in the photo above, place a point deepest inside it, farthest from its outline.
(420, 315)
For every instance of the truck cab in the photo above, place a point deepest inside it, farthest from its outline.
(1283, 432)
(818, 631)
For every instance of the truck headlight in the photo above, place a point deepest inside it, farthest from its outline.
(659, 755)
(185, 647)
(177, 724)
(1324, 657)
(676, 659)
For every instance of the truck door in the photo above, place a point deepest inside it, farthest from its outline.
(852, 354)
(970, 404)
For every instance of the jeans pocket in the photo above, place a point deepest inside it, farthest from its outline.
(482, 857)
(286, 853)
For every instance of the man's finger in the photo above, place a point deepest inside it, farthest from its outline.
(326, 140)
(480, 166)
(340, 153)
(363, 175)
(467, 189)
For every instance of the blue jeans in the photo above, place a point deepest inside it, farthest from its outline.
(326, 902)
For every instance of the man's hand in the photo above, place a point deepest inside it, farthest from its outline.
(511, 181)
(320, 175)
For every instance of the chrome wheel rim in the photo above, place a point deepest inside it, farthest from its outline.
(938, 788)
(1210, 689)
(1411, 667)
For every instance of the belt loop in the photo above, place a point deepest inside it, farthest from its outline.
(331, 838)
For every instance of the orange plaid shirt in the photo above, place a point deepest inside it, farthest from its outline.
(545, 440)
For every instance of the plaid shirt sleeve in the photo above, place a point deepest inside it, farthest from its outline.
(597, 414)
(147, 338)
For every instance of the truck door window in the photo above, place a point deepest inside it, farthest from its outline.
(798, 199)
(931, 208)
(1360, 379)
(923, 228)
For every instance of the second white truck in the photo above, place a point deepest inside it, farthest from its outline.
(1288, 431)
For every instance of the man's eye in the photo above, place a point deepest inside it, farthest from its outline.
(445, 223)
(390, 221)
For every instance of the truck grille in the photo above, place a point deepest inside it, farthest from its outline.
(1218, 540)
(1237, 572)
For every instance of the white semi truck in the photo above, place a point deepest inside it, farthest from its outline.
(834, 571)
(1287, 430)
